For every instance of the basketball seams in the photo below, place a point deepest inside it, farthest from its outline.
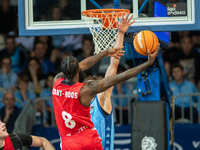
(153, 42)
(137, 45)
(144, 41)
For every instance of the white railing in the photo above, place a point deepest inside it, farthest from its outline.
(193, 104)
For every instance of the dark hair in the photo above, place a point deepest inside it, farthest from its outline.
(38, 42)
(51, 11)
(40, 72)
(184, 37)
(66, 53)
(87, 39)
(49, 44)
(70, 67)
(6, 57)
(49, 41)
(23, 78)
(9, 37)
(51, 74)
(176, 66)
(101, 74)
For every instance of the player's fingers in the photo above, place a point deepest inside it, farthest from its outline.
(122, 16)
(148, 52)
(157, 49)
(120, 47)
(117, 23)
(130, 18)
(121, 52)
(118, 57)
(132, 22)
(127, 16)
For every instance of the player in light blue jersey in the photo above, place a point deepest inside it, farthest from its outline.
(101, 107)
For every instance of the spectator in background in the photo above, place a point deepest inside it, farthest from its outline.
(60, 60)
(119, 89)
(8, 79)
(41, 9)
(24, 42)
(35, 75)
(180, 85)
(70, 9)
(72, 43)
(170, 57)
(64, 42)
(7, 17)
(47, 92)
(9, 112)
(55, 13)
(23, 94)
(196, 40)
(42, 113)
(88, 50)
(15, 53)
(51, 52)
(175, 40)
(39, 52)
(189, 60)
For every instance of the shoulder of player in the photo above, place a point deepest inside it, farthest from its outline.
(15, 137)
(91, 85)
(56, 79)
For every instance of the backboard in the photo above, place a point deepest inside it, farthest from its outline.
(57, 17)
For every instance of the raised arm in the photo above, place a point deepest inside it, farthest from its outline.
(92, 60)
(104, 97)
(41, 142)
(92, 88)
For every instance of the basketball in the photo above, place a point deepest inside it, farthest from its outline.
(145, 40)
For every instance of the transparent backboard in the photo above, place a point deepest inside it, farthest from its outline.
(54, 17)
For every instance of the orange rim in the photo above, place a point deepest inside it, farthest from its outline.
(99, 13)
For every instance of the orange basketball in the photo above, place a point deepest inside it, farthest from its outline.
(145, 40)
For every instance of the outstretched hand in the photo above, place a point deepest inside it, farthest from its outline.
(152, 57)
(116, 52)
(124, 25)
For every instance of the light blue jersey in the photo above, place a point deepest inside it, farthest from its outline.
(104, 124)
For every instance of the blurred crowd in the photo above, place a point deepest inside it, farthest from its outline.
(29, 64)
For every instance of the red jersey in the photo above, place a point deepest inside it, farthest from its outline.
(8, 144)
(71, 116)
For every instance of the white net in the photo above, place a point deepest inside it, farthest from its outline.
(103, 29)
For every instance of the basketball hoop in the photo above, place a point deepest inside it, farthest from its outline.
(103, 26)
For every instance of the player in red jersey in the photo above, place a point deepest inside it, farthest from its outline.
(71, 99)
(72, 116)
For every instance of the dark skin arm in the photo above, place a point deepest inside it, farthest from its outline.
(91, 88)
(92, 60)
